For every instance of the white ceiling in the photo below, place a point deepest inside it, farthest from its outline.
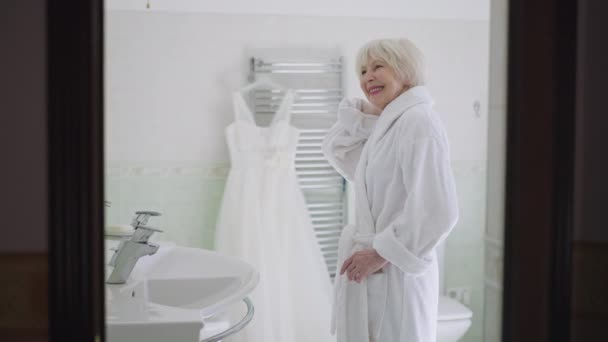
(418, 9)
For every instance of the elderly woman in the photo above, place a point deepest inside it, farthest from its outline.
(395, 151)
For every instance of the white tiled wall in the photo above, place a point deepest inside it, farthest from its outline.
(169, 77)
(187, 195)
(464, 262)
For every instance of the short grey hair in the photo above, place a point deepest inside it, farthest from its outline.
(401, 55)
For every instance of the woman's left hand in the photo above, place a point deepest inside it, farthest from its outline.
(361, 264)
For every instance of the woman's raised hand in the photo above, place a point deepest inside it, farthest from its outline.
(361, 264)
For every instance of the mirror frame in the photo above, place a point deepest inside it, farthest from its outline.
(539, 178)
(539, 203)
(75, 170)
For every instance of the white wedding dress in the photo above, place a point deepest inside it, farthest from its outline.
(264, 221)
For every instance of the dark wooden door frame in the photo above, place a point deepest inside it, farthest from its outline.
(540, 170)
(75, 130)
(540, 155)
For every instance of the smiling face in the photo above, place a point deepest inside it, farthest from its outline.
(380, 83)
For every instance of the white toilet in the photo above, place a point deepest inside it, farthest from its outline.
(454, 319)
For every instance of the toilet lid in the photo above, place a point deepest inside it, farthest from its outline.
(450, 309)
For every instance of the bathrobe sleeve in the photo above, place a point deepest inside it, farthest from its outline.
(430, 209)
(344, 142)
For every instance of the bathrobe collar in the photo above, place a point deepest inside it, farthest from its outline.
(393, 111)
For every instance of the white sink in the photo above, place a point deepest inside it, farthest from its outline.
(192, 293)
(168, 294)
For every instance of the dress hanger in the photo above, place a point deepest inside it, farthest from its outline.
(264, 81)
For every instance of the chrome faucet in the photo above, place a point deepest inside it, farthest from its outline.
(129, 251)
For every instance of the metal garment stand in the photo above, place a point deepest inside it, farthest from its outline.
(318, 87)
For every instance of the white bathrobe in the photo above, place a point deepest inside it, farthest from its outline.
(405, 204)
